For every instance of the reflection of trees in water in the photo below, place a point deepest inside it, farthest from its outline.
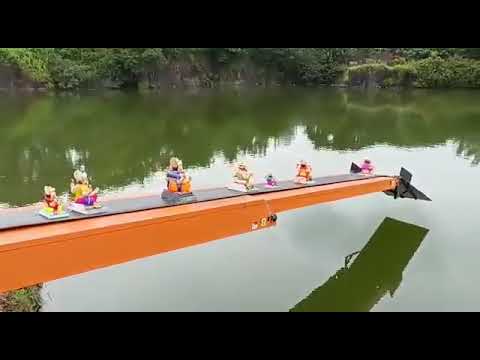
(416, 119)
(125, 138)
(469, 149)
(376, 270)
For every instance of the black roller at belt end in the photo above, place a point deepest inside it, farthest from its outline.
(405, 190)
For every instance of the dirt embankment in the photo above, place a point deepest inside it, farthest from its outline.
(23, 300)
(11, 78)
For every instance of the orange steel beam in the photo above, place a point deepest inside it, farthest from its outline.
(37, 254)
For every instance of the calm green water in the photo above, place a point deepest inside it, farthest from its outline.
(414, 256)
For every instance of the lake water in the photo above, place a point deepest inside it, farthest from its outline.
(414, 256)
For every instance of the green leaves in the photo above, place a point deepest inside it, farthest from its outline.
(32, 61)
(446, 73)
(302, 65)
(69, 68)
(431, 72)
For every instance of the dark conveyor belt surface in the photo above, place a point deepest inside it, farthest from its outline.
(30, 217)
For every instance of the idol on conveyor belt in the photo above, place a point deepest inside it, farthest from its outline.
(179, 183)
(367, 167)
(177, 179)
(304, 173)
(270, 181)
(84, 197)
(52, 209)
(242, 179)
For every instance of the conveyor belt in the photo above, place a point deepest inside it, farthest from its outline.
(17, 219)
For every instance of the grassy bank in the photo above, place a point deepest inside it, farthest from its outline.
(432, 72)
(23, 300)
(380, 74)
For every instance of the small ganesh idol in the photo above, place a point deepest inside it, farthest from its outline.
(84, 196)
(367, 167)
(242, 179)
(270, 181)
(304, 173)
(52, 208)
(177, 179)
(179, 183)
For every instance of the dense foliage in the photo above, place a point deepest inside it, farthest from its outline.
(73, 67)
(67, 68)
(451, 72)
(431, 72)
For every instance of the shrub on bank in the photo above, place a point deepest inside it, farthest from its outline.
(33, 62)
(69, 68)
(404, 74)
(432, 72)
(381, 74)
(436, 72)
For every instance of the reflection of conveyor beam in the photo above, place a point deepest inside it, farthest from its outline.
(376, 270)
(35, 254)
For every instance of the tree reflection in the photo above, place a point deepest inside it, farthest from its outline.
(125, 138)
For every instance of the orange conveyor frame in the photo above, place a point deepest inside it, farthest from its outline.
(37, 254)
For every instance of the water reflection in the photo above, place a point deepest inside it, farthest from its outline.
(125, 138)
(376, 270)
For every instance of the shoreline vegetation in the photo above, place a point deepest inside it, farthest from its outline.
(23, 300)
(66, 69)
